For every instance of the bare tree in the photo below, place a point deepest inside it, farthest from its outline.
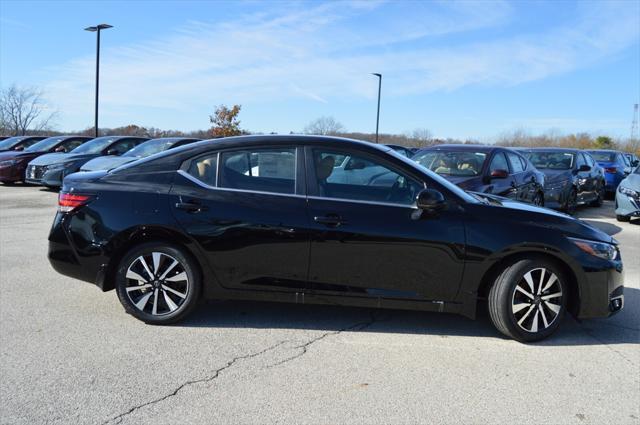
(23, 109)
(324, 126)
(421, 137)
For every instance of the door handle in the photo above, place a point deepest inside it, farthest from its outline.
(191, 207)
(331, 220)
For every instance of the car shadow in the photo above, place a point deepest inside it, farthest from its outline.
(623, 328)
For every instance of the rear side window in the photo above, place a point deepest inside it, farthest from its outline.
(263, 170)
(205, 169)
(516, 163)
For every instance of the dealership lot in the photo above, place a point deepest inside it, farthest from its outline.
(70, 353)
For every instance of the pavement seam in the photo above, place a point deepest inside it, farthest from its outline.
(590, 333)
(303, 347)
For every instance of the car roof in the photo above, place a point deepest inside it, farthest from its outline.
(553, 149)
(603, 150)
(463, 147)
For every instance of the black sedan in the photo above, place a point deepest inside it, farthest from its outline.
(49, 170)
(572, 177)
(486, 169)
(260, 217)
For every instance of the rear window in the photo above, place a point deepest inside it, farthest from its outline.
(604, 156)
(263, 170)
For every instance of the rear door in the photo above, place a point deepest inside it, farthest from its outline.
(524, 179)
(369, 239)
(247, 210)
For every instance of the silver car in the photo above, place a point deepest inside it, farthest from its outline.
(628, 197)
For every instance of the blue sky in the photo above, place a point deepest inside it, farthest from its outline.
(461, 69)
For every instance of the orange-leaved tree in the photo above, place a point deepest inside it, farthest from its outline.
(225, 122)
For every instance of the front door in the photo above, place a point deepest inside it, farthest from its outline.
(247, 211)
(501, 186)
(368, 239)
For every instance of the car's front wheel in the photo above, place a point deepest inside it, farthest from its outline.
(158, 283)
(527, 300)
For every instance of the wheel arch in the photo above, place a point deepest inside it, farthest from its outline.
(132, 237)
(491, 274)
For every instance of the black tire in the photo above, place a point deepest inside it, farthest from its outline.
(504, 298)
(163, 292)
(600, 199)
(8, 183)
(623, 218)
(571, 203)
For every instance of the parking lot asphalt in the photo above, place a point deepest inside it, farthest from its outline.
(69, 354)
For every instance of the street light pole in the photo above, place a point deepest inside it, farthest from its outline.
(378, 116)
(97, 30)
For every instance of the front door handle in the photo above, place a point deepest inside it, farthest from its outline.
(331, 220)
(191, 207)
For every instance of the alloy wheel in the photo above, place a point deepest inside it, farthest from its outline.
(537, 300)
(157, 283)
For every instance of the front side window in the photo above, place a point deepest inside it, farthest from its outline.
(362, 179)
(499, 162)
(94, 146)
(263, 170)
(452, 163)
(123, 146)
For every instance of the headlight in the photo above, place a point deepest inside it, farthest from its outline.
(598, 249)
(60, 166)
(8, 163)
(621, 189)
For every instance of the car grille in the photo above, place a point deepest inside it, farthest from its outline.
(35, 172)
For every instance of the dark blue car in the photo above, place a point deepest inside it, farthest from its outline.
(616, 167)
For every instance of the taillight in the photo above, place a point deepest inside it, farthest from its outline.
(68, 202)
(611, 170)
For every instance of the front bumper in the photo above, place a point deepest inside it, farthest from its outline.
(627, 206)
(602, 291)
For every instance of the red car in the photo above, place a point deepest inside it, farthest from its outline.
(14, 163)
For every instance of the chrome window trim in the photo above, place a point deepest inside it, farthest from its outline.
(358, 201)
(228, 189)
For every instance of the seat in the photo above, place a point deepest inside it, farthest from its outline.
(324, 168)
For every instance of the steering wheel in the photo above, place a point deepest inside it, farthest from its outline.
(393, 190)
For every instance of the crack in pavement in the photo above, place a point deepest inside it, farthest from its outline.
(303, 347)
(590, 333)
(217, 372)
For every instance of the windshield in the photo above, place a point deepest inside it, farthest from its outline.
(94, 146)
(551, 160)
(461, 163)
(8, 143)
(44, 145)
(149, 148)
(438, 179)
(604, 156)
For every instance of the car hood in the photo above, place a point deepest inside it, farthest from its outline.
(107, 162)
(555, 176)
(6, 155)
(540, 216)
(57, 158)
(632, 181)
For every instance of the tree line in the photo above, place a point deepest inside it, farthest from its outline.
(23, 111)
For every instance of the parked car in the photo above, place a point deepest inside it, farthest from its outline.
(486, 169)
(616, 167)
(3, 138)
(633, 159)
(628, 196)
(50, 169)
(257, 217)
(572, 177)
(143, 150)
(402, 150)
(19, 143)
(14, 163)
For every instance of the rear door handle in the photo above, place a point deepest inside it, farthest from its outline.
(192, 207)
(331, 220)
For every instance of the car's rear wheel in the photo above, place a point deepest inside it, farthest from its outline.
(158, 283)
(623, 218)
(527, 300)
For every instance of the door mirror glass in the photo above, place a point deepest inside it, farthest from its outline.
(499, 174)
(430, 200)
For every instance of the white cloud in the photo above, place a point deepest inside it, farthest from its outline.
(326, 51)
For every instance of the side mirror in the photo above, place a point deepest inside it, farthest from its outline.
(113, 152)
(584, 167)
(430, 200)
(635, 163)
(499, 174)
